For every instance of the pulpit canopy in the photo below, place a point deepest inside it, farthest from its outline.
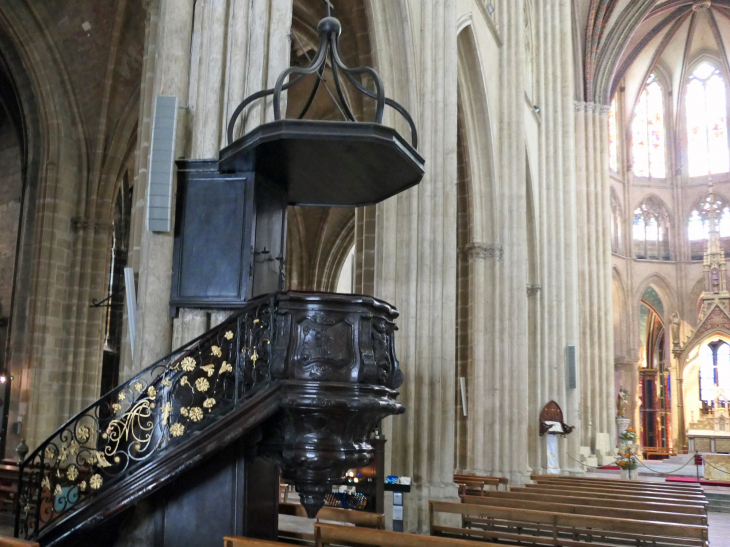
(327, 163)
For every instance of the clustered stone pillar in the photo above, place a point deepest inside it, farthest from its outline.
(211, 54)
(558, 245)
(416, 245)
(595, 284)
(498, 413)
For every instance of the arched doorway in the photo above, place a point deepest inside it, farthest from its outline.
(654, 376)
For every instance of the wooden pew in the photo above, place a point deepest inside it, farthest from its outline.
(560, 529)
(593, 501)
(588, 510)
(659, 498)
(329, 534)
(674, 485)
(622, 488)
(236, 541)
(360, 519)
(349, 516)
(458, 477)
(13, 542)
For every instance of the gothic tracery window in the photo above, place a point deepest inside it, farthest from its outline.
(649, 138)
(707, 141)
(651, 230)
(612, 138)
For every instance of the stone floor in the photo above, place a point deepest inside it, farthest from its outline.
(719, 529)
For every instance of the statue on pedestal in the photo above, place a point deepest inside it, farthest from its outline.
(622, 402)
(675, 331)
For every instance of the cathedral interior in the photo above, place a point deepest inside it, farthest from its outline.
(517, 219)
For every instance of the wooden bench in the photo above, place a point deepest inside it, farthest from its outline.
(637, 490)
(660, 498)
(658, 451)
(595, 480)
(329, 534)
(577, 509)
(592, 501)
(461, 478)
(559, 529)
(360, 519)
(13, 542)
(236, 541)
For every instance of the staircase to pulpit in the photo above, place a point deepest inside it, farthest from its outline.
(292, 384)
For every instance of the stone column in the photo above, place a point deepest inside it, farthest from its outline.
(416, 254)
(171, 48)
(211, 54)
(595, 284)
(557, 247)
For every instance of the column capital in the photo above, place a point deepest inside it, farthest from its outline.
(482, 251)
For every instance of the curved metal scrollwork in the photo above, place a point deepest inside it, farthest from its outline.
(161, 406)
(329, 30)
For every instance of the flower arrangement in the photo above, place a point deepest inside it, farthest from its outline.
(627, 460)
(629, 435)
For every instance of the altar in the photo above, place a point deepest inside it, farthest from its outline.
(717, 442)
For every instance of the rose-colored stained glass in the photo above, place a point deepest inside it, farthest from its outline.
(612, 138)
(649, 137)
(707, 140)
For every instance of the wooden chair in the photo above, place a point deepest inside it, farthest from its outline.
(329, 534)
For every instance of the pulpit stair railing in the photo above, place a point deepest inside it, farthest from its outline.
(137, 421)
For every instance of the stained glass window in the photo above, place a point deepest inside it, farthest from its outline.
(649, 140)
(723, 369)
(715, 372)
(707, 142)
(612, 138)
(707, 374)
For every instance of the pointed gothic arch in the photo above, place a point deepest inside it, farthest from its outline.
(475, 233)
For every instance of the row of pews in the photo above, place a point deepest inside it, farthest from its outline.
(573, 512)
(554, 511)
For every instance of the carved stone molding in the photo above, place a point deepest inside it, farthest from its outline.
(482, 251)
(533, 289)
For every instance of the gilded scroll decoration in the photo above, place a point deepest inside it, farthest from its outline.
(158, 408)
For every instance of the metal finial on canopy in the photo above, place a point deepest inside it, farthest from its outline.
(329, 30)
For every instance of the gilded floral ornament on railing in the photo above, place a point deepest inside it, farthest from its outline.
(162, 405)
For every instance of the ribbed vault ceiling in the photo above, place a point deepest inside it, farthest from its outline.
(674, 36)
